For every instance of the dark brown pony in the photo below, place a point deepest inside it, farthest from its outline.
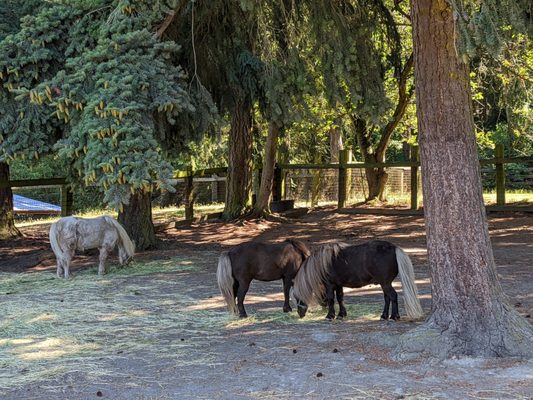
(333, 266)
(262, 261)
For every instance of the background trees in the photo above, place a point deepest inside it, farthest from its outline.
(121, 89)
(92, 75)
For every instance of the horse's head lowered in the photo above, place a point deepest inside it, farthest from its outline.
(301, 307)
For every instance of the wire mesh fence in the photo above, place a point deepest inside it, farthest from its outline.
(315, 187)
(312, 187)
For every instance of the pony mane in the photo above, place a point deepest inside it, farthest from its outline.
(309, 281)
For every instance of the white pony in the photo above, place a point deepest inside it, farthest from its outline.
(69, 234)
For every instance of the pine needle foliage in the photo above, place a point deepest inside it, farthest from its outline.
(487, 25)
(93, 75)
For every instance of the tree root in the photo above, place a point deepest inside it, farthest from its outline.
(507, 335)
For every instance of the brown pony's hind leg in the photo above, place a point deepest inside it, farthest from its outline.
(241, 292)
(385, 314)
(287, 283)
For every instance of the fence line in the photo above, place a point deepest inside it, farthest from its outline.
(342, 184)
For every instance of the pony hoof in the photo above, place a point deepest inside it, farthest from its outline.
(328, 318)
(243, 316)
(384, 318)
(340, 317)
(287, 309)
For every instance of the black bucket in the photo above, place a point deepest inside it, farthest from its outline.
(283, 205)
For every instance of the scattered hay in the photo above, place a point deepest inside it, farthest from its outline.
(360, 311)
(52, 328)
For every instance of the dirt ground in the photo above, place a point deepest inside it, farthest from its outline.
(185, 346)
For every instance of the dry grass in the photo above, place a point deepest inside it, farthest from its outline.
(157, 213)
(51, 326)
(360, 312)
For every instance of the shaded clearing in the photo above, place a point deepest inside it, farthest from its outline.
(158, 329)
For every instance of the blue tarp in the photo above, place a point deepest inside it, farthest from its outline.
(26, 205)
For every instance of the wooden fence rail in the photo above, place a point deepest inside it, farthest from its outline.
(344, 167)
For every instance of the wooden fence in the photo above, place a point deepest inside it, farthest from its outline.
(67, 197)
(344, 167)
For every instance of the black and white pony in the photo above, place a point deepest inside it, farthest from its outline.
(333, 266)
(69, 234)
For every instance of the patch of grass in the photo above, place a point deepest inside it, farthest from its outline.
(179, 212)
(157, 213)
(357, 311)
(511, 196)
(50, 326)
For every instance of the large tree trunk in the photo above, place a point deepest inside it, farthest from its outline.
(376, 179)
(136, 218)
(335, 144)
(262, 205)
(469, 315)
(239, 179)
(7, 221)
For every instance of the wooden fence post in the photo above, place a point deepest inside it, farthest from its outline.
(189, 198)
(414, 178)
(345, 157)
(500, 175)
(214, 188)
(67, 198)
(279, 184)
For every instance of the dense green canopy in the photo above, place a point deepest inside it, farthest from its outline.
(115, 87)
(90, 80)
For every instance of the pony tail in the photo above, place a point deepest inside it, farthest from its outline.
(225, 281)
(54, 242)
(407, 276)
(309, 281)
(301, 247)
(128, 245)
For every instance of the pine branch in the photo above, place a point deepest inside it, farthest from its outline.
(404, 96)
(169, 19)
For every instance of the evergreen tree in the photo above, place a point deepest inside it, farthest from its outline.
(93, 74)
(219, 42)
(470, 314)
(11, 113)
(366, 66)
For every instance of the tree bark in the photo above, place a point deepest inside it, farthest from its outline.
(376, 179)
(470, 315)
(8, 230)
(136, 218)
(262, 205)
(239, 178)
(335, 144)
